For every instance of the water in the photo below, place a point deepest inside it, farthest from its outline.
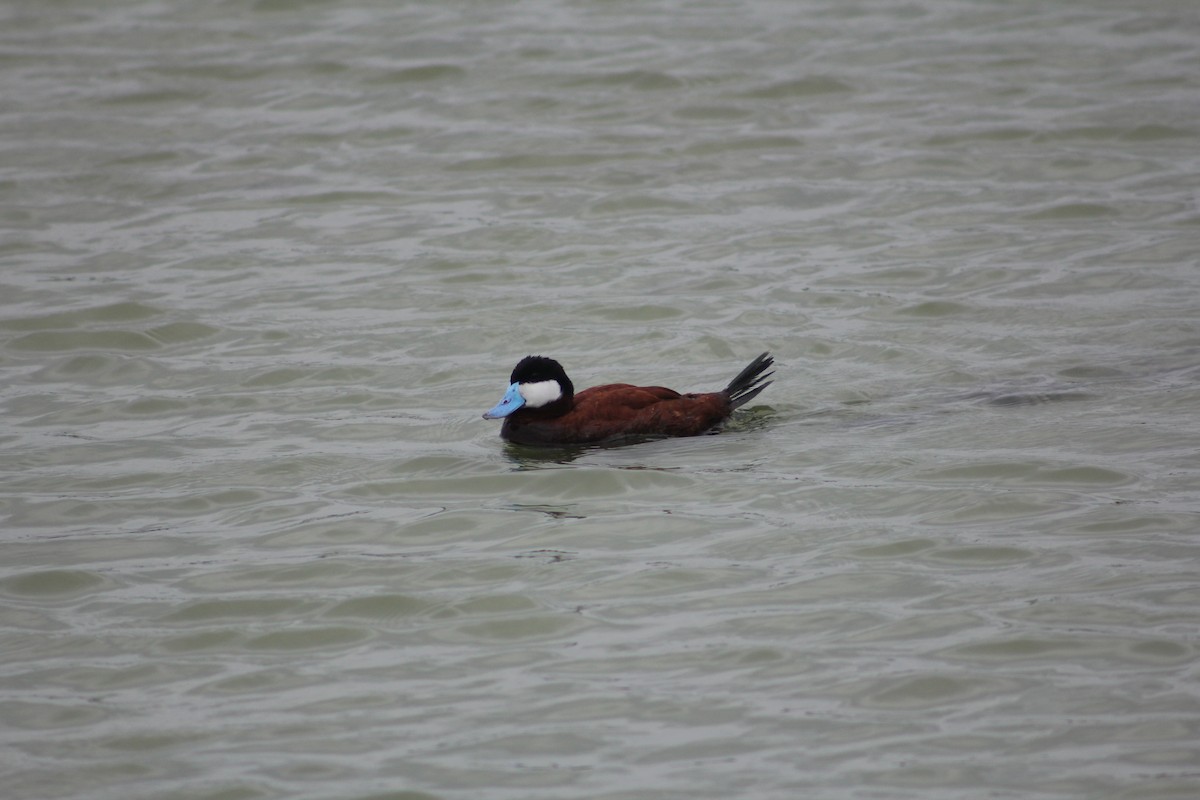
(264, 266)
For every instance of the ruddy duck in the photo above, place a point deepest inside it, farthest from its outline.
(541, 407)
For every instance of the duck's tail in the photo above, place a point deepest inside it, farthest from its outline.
(750, 381)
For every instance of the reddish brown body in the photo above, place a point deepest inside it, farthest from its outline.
(618, 411)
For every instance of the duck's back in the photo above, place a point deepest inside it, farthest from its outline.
(618, 411)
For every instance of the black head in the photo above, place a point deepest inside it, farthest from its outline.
(535, 369)
(537, 384)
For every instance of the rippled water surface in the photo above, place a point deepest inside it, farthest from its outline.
(263, 265)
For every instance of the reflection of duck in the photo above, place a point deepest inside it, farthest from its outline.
(541, 407)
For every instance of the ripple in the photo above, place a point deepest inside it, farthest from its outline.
(895, 549)
(1071, 211)
(255, 682)
(210, 610)
(1032, 473)
(98, 369)
(927, 691)
(980, 555)
(420, 74)
(29, 715)
(526, 628)
(641, 313)
(63, 341)
(315, 638)
(54, 583)
(641, 80)
(1033, 649)
(711, 113)
(625, 204)
(381, 607)
(809, 86)
(935, 309)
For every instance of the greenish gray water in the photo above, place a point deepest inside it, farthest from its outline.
(264, 265)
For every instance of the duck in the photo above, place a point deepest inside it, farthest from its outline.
(540, 406)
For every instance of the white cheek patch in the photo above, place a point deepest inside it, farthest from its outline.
(541, 393)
